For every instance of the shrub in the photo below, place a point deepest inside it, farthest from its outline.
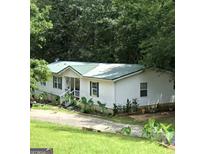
(90, 105)
(152, 108)
(70, 99)
(102, 106)
(158, 131)
(151, 129)
(131, 106)
(128, 106)
(135, 105)
(115, 109)
(57, 99)
(87, 105)
(126, 130)
(124, 109)
(167, 132)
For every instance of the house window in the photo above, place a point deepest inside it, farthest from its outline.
(57, 82)
(94, 89)
(43, 83)
(143, 89)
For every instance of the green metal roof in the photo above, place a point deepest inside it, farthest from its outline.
(108, 71)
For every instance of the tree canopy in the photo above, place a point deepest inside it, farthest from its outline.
(39, 72)
(121, 31)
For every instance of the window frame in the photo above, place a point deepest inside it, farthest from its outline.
(94, 89)
(143, 89)
(57, 82)
(43, 83)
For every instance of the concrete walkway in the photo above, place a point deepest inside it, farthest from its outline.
(82, 121)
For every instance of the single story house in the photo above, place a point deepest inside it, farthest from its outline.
(110, 83)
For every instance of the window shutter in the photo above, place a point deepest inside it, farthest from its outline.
(97, 89)
(53, 82)
(60, 83)
(90, 88)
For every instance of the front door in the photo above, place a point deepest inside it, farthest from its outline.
(72, 87)
(77, 87)
(73, 84)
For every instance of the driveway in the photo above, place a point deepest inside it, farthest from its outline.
(82, 121)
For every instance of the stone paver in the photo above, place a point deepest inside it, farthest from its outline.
(78, 120)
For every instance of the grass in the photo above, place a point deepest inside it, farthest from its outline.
(50, 107)
(129, 120)
(167, 120)
(69, 140)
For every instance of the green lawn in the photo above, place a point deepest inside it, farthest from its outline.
(68, 140)
(50, 107)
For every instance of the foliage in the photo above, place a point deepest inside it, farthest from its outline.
(158, 131)
(158, 47)
(39, 72)
(168, 132)
(70, 99)
(102, 106)
(128, 106)
(151, 129)
(135, 105)
(43, 96)
(119, 31)
(39, 25)
(87, 105)
(126, 130)
(115, 109)
(131, 106)
(57, 99)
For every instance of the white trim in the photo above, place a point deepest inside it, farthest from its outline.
(69, 67)
(126, 76)
(57, 82)
(93, 79)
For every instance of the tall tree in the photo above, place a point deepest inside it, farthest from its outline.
(39, 72)
(158, 48)
(39, 25)
(124, 31)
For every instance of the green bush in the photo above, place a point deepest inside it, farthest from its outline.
(158, 131)
(87, 106)
(70, 99)
(102, 107)
(126, 130)
(128, 106)
(115, 109)
(168, 133)
(151, 129)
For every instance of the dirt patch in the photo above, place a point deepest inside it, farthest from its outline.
(160, 115)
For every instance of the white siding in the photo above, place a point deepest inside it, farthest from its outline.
(106, 90)
(70, 73)
(160, 88)
(49, 84)
(49, 87)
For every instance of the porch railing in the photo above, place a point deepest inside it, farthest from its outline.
(75, 93)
